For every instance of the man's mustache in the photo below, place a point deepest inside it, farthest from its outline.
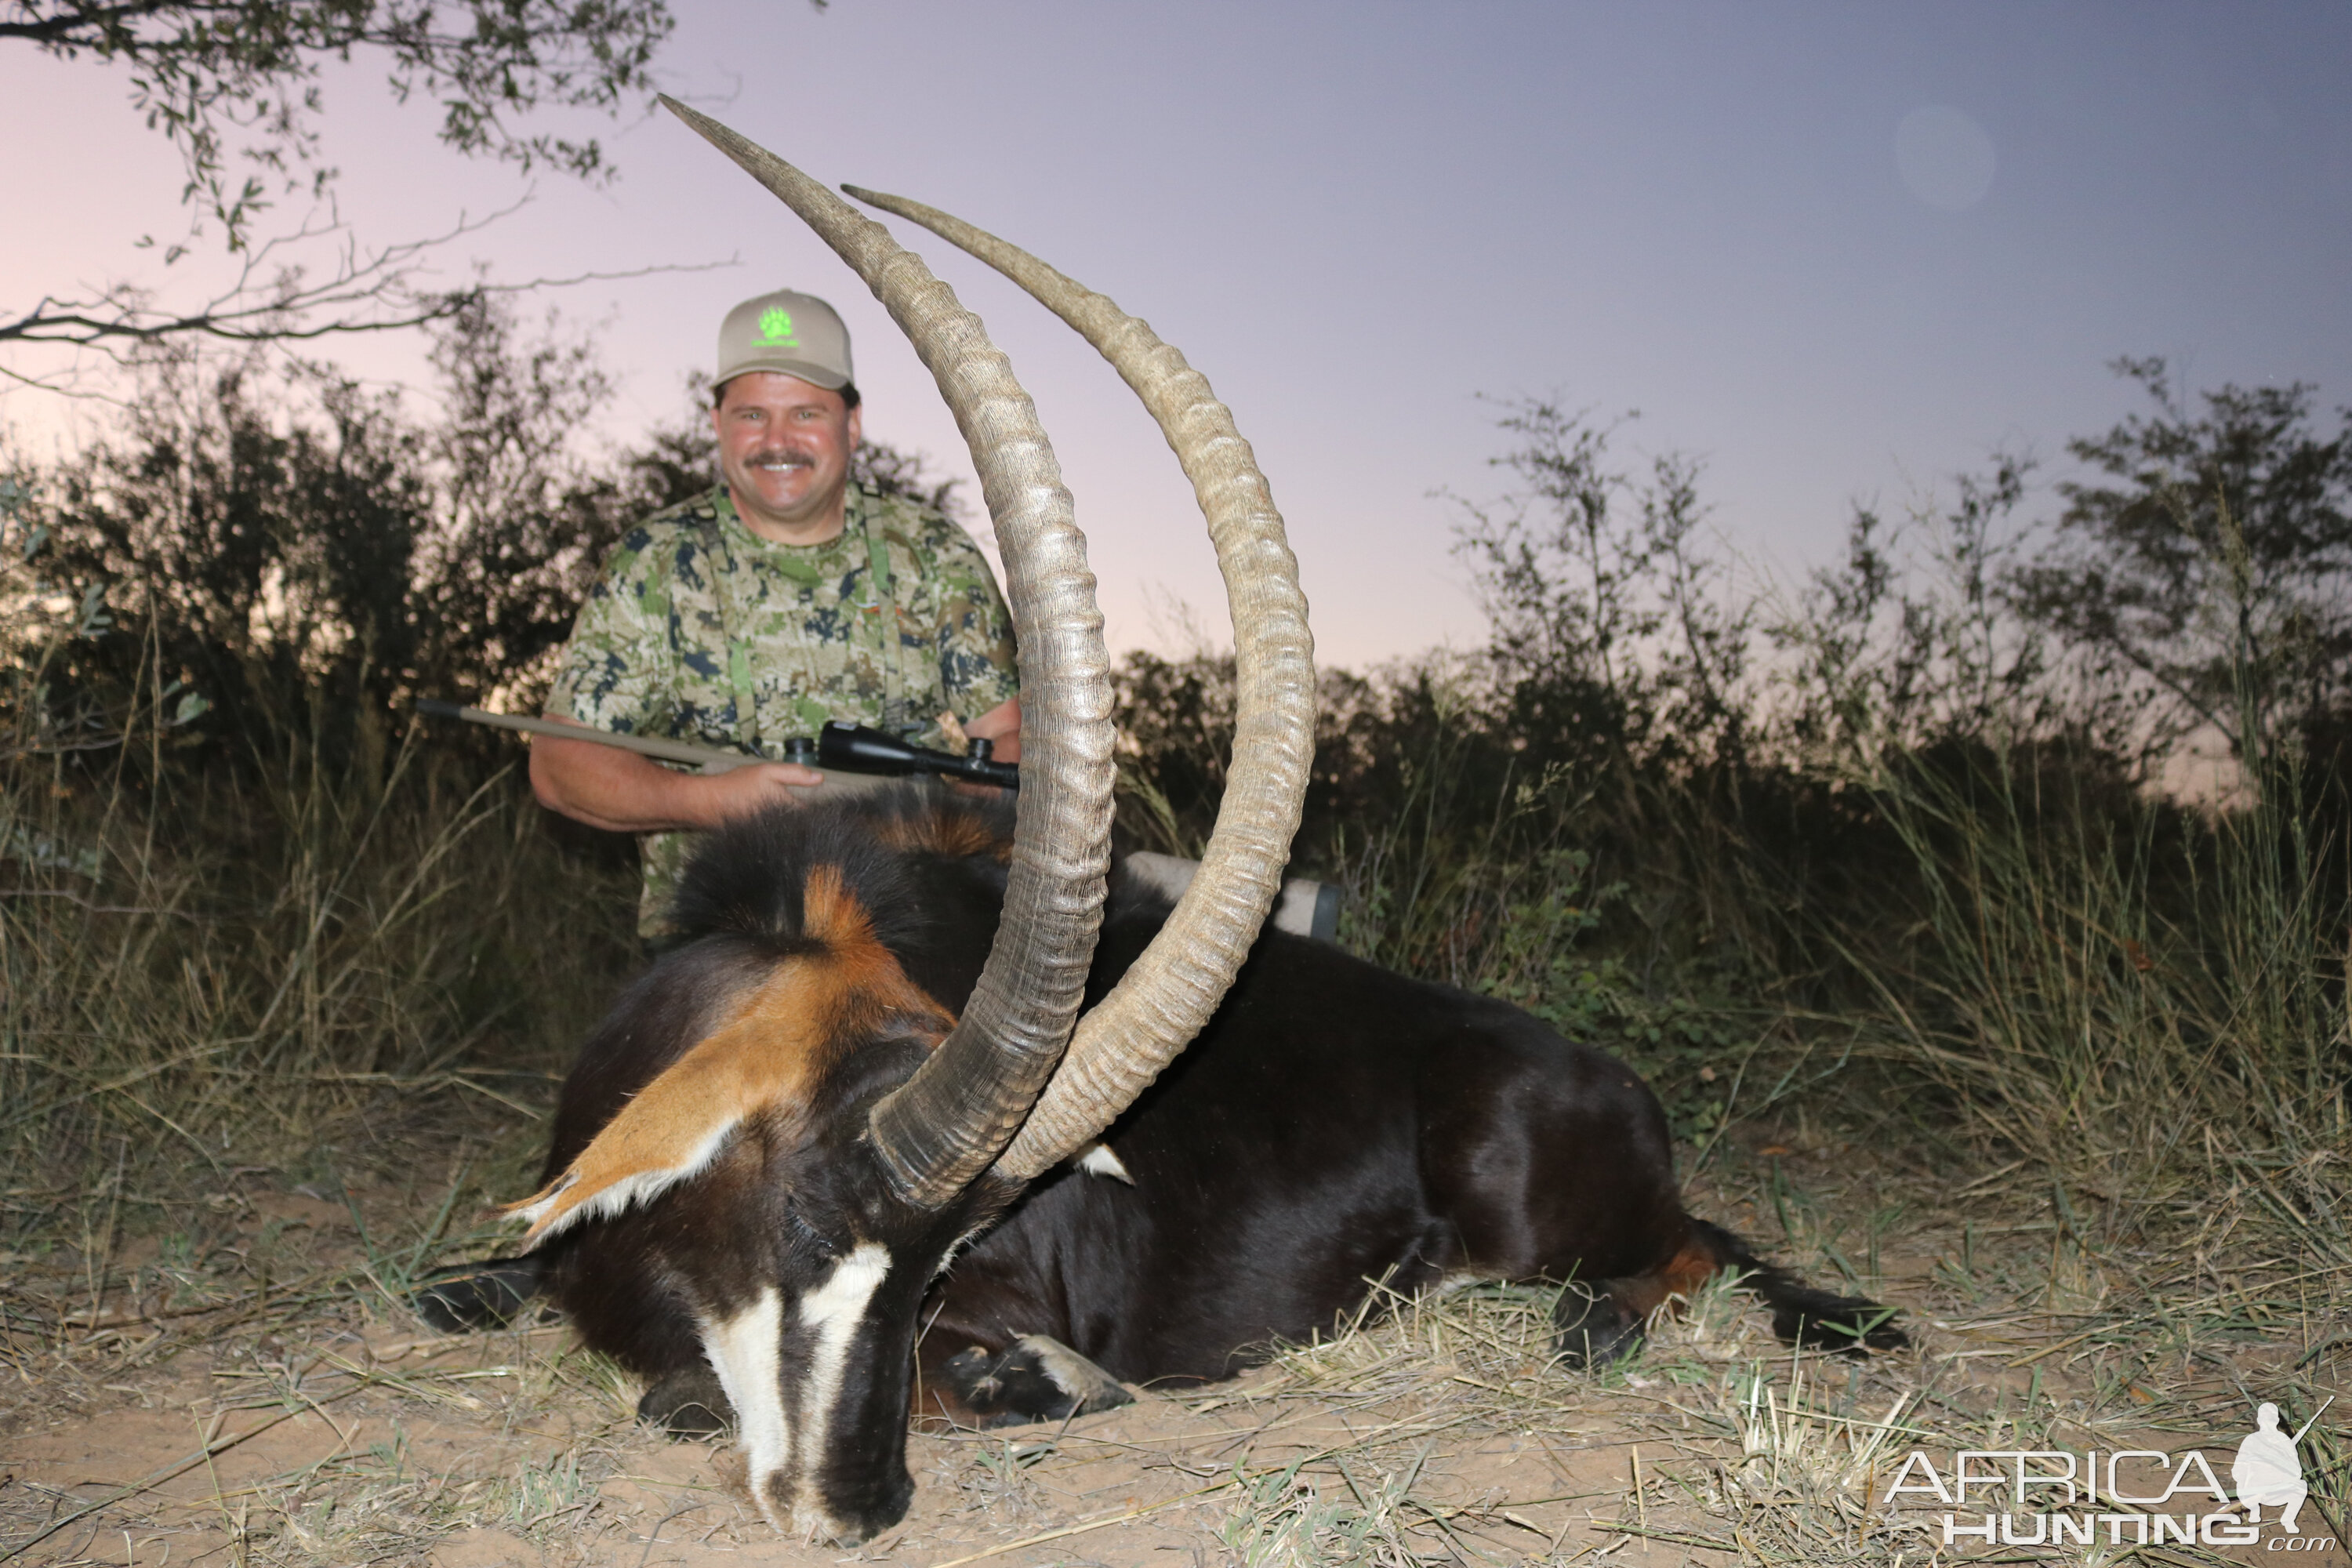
(780, 455)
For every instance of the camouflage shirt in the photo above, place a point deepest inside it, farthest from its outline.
(701, 630)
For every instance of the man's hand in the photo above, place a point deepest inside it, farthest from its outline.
(1001, 725)
(625, 792)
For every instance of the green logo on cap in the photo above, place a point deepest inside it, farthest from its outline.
(776, 328)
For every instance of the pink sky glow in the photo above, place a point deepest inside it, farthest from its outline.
(1838, 252)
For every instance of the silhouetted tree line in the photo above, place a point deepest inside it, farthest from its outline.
(1717, 763)
(295, 555)
(274, 560)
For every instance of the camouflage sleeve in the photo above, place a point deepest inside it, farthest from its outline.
(972, 630)
(615, 671)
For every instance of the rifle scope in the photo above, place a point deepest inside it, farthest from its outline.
(856, 749)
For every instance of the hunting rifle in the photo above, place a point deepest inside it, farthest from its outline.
(1306, 907)
(852, 748)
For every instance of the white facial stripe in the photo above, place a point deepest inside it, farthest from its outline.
(831, 1314)
(744, 1350)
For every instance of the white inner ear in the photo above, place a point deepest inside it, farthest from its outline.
(636, 1187)
(1098, 1160)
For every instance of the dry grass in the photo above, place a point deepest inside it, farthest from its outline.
(225, 1370)
(1730, 1446)
(200, 983)
(312, 1421)
(264, 1058)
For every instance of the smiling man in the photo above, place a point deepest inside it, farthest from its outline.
(784, 597)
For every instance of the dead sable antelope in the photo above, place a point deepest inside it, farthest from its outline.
(813, 1175)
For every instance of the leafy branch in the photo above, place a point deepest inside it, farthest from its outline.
(276, 300)
(207, 71)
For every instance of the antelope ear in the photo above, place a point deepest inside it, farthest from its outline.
(676, 1125)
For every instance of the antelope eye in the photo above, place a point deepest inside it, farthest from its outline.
(805, 1235)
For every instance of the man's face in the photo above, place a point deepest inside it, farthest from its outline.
(784, 449)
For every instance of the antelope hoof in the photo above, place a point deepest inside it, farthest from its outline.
(688, 1406)
(1594, 1328)
(1039, 1379)
(494, 1294)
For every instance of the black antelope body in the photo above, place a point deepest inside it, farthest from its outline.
(845, 1112)
(730, 1236)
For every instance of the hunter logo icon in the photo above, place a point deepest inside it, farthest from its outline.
(2266, 1470)
(785, 333)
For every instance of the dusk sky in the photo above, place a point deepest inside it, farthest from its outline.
(1837, 253)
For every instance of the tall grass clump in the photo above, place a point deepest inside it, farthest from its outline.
(2147, 1010)
(199, 981)
(248, 912)
(2143, 999)
(1908, 846)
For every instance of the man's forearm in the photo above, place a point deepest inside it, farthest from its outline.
(604, 788)
(623, 792)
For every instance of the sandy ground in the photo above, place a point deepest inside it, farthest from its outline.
(352, 1446)
(575, 1487)
(311, 1420)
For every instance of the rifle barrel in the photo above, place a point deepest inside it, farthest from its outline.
(708, 759)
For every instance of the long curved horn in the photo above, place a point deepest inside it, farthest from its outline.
(943, 1127)
(1168, 994)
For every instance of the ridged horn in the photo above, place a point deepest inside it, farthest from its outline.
(1125, 1042)
(944, 1126)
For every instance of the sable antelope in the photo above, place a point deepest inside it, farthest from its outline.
(772, 1148)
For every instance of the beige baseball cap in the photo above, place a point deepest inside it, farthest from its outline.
(798, 334)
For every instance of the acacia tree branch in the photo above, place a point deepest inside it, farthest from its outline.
(368, 292)
(69, 29)
(202, 70)
(2184, 694)
(211, 74)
